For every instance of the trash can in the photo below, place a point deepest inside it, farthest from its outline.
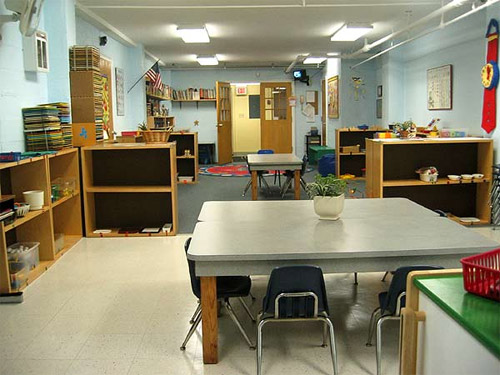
(326, 165)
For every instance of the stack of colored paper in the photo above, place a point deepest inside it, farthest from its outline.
(42, 128)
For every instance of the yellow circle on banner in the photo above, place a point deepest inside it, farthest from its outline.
(487, 75)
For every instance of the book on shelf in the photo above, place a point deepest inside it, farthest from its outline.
(193, 94)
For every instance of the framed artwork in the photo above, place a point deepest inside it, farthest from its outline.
(379, 91)
(333, 97)
(379, 108)
(120, 92)
(439, 88)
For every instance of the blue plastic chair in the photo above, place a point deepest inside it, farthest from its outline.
(390, 305)
(296, 293)
(227, 287)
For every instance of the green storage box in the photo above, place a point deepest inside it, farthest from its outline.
(316, 152)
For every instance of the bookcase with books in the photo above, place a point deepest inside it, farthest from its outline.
(194, 95)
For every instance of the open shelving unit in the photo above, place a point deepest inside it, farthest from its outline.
(62, 216)
(129, 186)
(160, 122)
(351, 162)
(391, 166)
(187, 165)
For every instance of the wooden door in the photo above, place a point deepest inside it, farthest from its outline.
(224, 123)
(276, 117)
(323, 113)
(106, 68)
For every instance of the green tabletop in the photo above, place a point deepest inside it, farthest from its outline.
(479, 316)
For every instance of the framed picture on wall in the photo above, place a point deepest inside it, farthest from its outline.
(333, 97)
(379, 108)
(439, 88)
(379, 91)
(120, 92)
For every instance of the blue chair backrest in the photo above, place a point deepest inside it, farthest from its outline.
(265, 151)
(195, 281)
(294, 279)
(398, 285)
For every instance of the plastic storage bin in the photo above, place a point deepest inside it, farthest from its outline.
(481, 274)
(24, 252)
(18, 274)
(59, 241)
(326, 165)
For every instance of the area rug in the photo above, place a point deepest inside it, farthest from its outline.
(231, 170)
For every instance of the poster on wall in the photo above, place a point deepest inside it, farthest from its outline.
(333, 97)
(379, 108)
(120, 92)
(439, 88)
(105, 102)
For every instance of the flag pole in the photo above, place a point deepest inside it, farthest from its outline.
(130, 89)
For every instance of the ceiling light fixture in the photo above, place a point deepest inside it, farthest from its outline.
(193, 34)
(333, 54)
(207, 60)
(350, 32)
(314, 59)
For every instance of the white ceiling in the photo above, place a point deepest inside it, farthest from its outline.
(252, 32)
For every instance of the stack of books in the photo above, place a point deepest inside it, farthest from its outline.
(42, 129)
(64, 118)
(84, 58)
(193, 94)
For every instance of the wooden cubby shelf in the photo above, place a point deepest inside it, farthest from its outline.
(61, 217)
(187, 165)
(129, 186)
(352, 162)
(391, 166)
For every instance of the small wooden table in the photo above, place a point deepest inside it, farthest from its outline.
(264, 162)
(354, 243)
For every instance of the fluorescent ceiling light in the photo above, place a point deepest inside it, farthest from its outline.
(333, 54)
(351, 32)
(207, 60)
(314, 60)
(193, 34)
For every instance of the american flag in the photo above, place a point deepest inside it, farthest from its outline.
(154, 75)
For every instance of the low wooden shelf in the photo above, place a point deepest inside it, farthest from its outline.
(62, 216)
(129, 186)
(352, 162)
(186, 165)
(391, 166)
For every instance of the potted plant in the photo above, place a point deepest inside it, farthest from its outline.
(328, 195)
(155, 136)
(406, 129)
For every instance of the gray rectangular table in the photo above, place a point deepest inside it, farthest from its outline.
(264, 162)
(236, 211)
(351, 244)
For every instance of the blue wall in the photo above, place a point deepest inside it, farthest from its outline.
(206, 113)
(18, 88)
(131, 60)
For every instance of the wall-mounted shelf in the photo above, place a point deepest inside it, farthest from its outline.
(195, 101)
(391, 165)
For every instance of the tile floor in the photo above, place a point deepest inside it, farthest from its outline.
(121, 306)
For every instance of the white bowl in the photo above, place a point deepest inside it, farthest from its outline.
(454, 177)
(467, 177)
(478, 175)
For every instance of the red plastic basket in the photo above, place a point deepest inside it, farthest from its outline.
(481, 274)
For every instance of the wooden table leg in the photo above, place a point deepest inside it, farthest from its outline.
(254, 185)
(210, 324)
(296, 183)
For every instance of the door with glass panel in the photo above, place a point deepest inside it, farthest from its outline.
(224, 123)
(276, 116)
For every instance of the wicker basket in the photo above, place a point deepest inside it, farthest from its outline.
(156, 136)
